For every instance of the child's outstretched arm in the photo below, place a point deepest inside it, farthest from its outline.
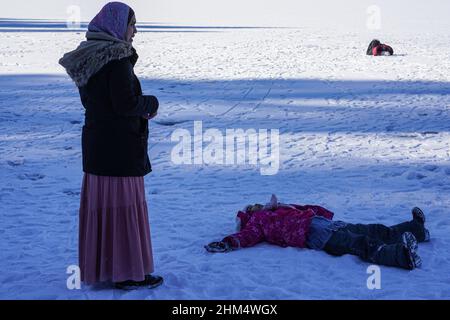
(248, 237)
(251, 235)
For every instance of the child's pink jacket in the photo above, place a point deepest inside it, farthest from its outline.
(285, 226)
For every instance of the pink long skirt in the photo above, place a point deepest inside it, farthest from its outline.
(114, 231)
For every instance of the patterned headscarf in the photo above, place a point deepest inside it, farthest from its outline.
(112, 19)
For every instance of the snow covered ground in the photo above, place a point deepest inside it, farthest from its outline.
(368, 138)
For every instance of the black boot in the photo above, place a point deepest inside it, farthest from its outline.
(149, 282)
(403, 254)
(418, 215)
(411, 246)
(153, 281)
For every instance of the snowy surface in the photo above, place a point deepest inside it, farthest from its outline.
(366, 137)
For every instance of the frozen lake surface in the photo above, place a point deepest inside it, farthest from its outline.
(366, 137)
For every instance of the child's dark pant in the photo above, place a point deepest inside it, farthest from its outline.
(375, 243)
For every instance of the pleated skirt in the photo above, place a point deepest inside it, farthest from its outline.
(114, 231)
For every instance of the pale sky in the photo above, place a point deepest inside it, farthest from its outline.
(395, 13)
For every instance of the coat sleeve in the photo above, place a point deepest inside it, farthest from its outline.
(125, 100)
(321, 211)
(251, 235)
(318, 210)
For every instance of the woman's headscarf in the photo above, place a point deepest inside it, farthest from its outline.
(113, 19)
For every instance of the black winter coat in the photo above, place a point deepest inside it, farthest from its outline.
(114, 138)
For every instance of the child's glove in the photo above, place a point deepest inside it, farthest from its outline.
(273, 204)
(220, 246)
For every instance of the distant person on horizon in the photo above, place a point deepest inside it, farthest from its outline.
(376, 48)
(114, 232)
(309, 226)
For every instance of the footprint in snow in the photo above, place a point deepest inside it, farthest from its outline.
(15, 163)
(415, 176)
(425, 133)
(71, 192)
(431, 167)
(31, 176)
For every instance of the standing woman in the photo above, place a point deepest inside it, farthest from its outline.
(114, 232)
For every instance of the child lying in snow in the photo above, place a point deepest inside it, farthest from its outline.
(312, 226)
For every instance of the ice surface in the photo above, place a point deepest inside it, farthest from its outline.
(366, 137)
